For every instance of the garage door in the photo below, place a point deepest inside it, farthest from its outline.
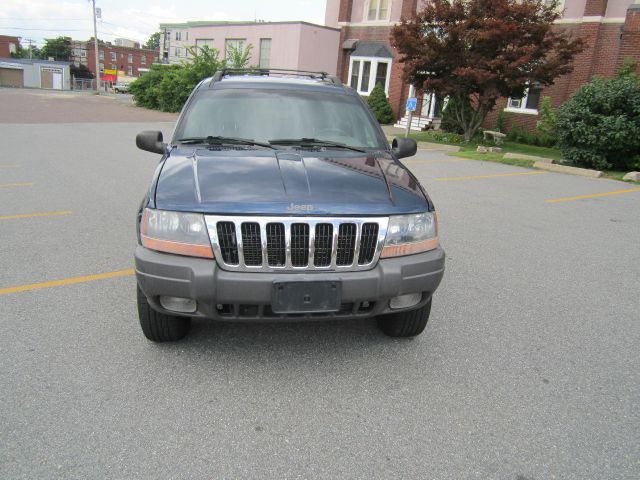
(11, 77)
(51, 77)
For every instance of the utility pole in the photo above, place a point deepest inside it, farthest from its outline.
(30, 42)
(95, 40)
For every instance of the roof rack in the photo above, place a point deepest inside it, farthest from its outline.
(278, 71)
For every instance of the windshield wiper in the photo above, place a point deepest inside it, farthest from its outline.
(218, 140)
(313, 142)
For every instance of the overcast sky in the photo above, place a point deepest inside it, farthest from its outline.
(137, 19)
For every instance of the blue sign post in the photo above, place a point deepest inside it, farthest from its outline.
(412, 103)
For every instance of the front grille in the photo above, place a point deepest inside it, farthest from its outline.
(296, 243)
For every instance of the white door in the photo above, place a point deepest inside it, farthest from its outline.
(57, 81)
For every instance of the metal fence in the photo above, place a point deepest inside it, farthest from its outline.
(83, 84)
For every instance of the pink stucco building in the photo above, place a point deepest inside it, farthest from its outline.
(289, 45)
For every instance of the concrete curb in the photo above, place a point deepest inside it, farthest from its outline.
(521, 156)
(437, 147)
(583, 172)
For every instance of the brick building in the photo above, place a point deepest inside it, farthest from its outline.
(8, 45)
(129, 60)
(610, 30)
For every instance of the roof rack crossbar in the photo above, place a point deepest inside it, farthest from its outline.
(267, 71)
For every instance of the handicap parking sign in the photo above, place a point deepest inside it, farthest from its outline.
(411, 104)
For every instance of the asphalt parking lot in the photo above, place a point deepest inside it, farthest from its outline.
(529, 367)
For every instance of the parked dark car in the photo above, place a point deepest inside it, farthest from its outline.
(279, 198)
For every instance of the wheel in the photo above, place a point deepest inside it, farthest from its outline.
(159, 327)
(405, 324)
(117, 91)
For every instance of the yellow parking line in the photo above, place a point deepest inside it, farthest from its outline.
(593, 195)
(410, 162)
(495, 175)
(66, 281)
(9, 185)
(39, 214)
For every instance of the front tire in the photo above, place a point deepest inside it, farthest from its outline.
(159, 327)
(405, 324)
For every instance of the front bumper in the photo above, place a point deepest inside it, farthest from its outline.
(246, 296)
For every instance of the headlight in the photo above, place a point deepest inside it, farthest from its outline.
(175, 232)
(408, 234)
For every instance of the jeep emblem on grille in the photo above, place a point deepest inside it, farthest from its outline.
(298, 208)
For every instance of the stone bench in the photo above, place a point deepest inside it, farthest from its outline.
(497, 137)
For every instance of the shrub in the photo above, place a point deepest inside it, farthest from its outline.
(380, 105)
(519, 135)
(599, 126)
(439, 136)
(167, 87)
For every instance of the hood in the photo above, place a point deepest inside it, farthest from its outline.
(286, 182)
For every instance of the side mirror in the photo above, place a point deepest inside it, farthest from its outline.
(404, 147)
(151, 141)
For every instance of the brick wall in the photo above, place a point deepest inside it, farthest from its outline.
(5, 45)
(630, 37)
(595, 7)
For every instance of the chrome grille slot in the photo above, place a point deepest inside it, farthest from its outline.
(284, 244)
(368, 240)
(251, 245)
(299, 244)
(323, 237)
(346, 243)
(275, 245)
(227, 242)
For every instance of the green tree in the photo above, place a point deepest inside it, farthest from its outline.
(154, 41)
(380, 105)
(599, 126)
(238, 57)
(482, 50)
(546, 126)
(58, 48)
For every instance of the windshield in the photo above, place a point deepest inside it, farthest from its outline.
(268, 114)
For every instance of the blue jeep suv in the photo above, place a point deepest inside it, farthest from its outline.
(279, 198)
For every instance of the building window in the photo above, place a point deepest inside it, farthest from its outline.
(83, 53)
(131, 58)
(265, 52)
(178, 51)
(114, 56)
(527, 104)
(130, 71)
(229, 43)
(366, 72)
(202, 42)
(377, 10)
(101, 54)
(178, 35)
(143, 60)
(101, 67)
